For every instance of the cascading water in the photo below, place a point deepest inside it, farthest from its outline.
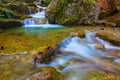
(79, 56)
(39, 19)
(82, 48)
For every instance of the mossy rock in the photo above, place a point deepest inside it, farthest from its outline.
(109, 37)
(54, 75)
(22, 8)
(9, 14)
(10, 23)
(71, 12)
(15, 15)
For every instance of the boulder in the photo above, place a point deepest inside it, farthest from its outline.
(45, 55)
(109, 36)
(106, 5)
(38, 58)
(107, 8)
(72, 12)
(10, 23)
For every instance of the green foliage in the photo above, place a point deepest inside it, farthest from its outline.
(90, 2)
(48, 1)
(1, 15)
(5, 14)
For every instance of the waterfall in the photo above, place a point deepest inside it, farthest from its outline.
(29, 10)
(39, 19)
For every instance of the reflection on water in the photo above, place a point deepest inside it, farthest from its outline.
(79, 57)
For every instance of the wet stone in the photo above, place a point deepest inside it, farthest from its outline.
(100, 46)
(40, 76)
(38, 58)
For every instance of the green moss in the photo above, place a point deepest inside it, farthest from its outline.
(90, 2)
(60, 14)
(73, 18)
(32, 39)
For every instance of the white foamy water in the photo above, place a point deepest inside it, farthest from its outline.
(38, 14)
(39, 19)
(107, 44)
(86, 51)
(117, 61)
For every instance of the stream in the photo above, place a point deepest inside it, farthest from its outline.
(80, 57)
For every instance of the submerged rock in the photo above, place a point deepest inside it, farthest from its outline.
(100, 46)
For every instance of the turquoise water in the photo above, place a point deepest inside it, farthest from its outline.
(28, 39)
